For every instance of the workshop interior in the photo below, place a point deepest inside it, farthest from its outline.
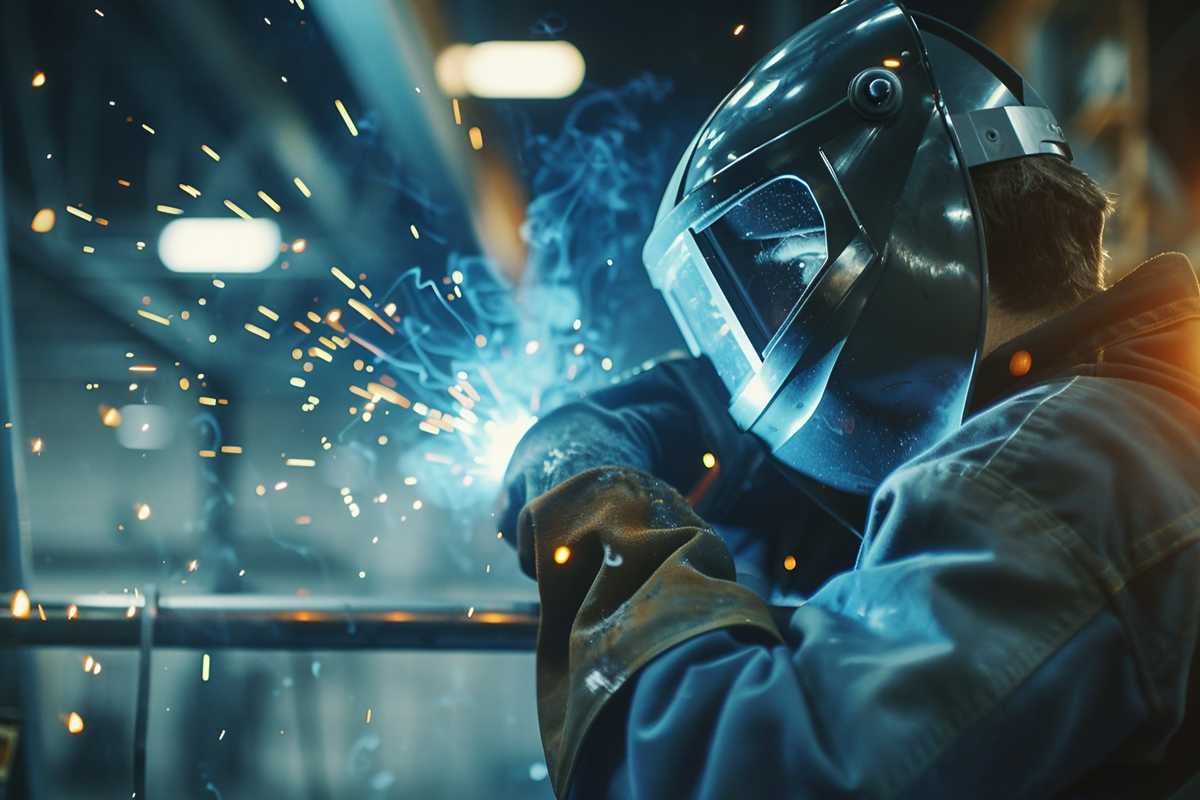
(282, 285)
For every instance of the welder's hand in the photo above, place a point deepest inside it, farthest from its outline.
(571, 440)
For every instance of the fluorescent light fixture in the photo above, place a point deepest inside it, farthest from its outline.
(510, 69)
(216, 244)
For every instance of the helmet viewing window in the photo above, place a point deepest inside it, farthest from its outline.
(765, 252)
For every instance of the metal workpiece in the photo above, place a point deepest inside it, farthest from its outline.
(271, 623)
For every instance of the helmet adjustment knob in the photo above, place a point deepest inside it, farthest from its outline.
(876, 93)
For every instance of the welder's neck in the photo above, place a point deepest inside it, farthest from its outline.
(1004, 325)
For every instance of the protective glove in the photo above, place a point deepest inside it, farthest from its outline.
(570, 440)
(671, 421)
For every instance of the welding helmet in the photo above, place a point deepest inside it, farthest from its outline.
(820, 241)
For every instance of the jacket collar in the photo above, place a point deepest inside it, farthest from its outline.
(1160, 292)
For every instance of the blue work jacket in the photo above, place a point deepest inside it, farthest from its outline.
(1021, 618)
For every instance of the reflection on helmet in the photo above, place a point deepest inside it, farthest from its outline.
(819, 238)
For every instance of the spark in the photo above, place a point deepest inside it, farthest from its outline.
(72, 612)
(110, 417)
(235, 208)
(74, 721)
(87, 248)
(789, 563)
(143, 368)
(562, 554)
(341, 276)
(470, 612)
(300, 326)
(232, 449)
(268, 313)
(39, 79)
(368, 709)
(346, 117)
(391, 395)
(280, 486)
(709, 460)
(124, 183)
(892, 63)
(457, 111)
(417, 505)
(317, 352)
(413, 230)
(297, 382)
(206, 401)
(302, 186)
(153, 317)
(43, 221)
(300, 462)
(266, 198)
(79, 212)
(257, 331)
(606, 363)
(184, 383)
(142, 511)
(165, 209)
(476, 136)
(205, 664)
(737, 31)
(370, 314)
(299, 246)
(36, 445)
(19, 605)
(187, 188)
(88, 663)
(221, 735)
(148, 129)
(207, 453)
(208, 151)
(99, 13)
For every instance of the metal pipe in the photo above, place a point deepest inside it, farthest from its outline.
(259, 622)
(273, 623)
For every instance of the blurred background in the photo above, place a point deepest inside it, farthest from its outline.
(286, 281)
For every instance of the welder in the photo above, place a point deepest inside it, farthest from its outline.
(913, 404)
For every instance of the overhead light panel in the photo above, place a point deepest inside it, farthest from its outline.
(216, 244)
(503, 69)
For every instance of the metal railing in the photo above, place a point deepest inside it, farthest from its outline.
(258, 622)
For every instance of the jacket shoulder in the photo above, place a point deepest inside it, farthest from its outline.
(1115, 461)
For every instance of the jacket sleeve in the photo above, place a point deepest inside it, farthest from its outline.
(675, 413)
(971, 653)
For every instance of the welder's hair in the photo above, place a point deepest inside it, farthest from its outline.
(1044, 223)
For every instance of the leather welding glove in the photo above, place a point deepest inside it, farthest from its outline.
(671, 421)
(626, 570)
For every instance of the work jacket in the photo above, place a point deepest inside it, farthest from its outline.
(1020, 620)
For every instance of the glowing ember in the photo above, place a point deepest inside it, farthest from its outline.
(476, 137)
(43, 221)
(110, 417)
(39, 79)
(74, 723)
(709, 460)
(19, 605)
(562, 554)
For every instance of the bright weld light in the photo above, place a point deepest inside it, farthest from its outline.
(511, 69)
(219, 245)
(501, 441)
